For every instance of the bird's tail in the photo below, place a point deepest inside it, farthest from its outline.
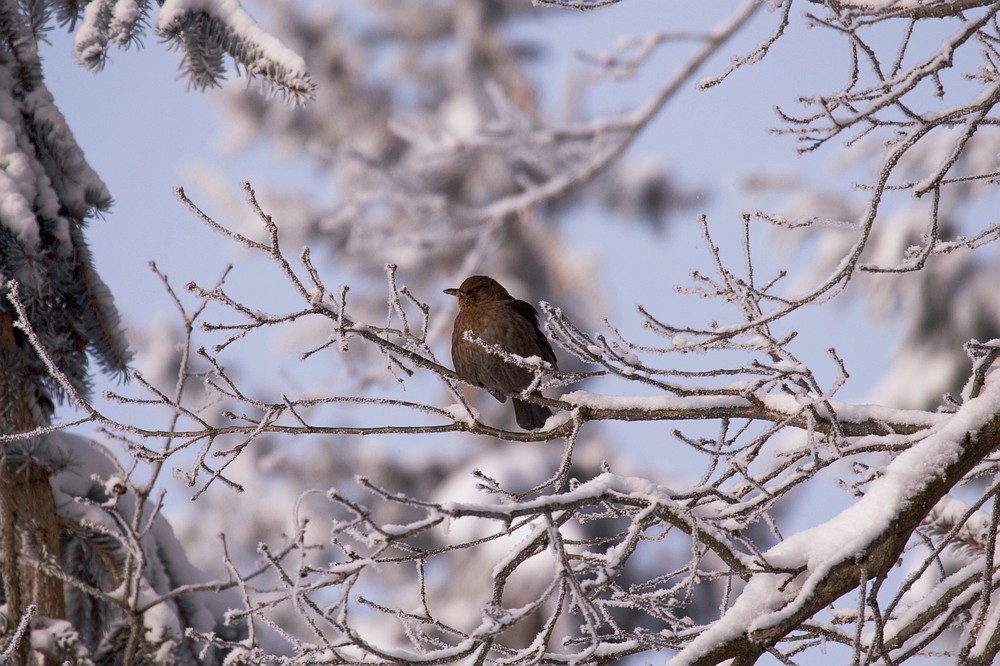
(529, 415)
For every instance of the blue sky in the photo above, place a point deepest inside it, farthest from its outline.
(143, 131)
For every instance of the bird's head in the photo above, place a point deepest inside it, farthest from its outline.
(479, 289)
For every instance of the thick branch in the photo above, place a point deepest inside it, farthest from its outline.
(869, 537)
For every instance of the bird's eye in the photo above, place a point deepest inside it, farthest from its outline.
(474, 290)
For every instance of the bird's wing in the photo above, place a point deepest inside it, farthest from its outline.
(528, 311)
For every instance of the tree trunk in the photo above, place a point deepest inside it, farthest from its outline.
(29, 524)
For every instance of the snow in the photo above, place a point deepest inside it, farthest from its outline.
(17, 189)
(125, 15)
(516, 550)
(874, 6)
(230, 13)
(791, 368)
(853, 413)
(650, 403)
(88, 41)
(163, 627)
(56, 638)
(114, 487)
(416, 526)
(907, 384)
(788, 404)
(462, 413)
(62, 179)
(606, 482)
(556, 420)
(769, 598)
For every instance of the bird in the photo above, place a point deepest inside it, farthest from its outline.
(488, 312)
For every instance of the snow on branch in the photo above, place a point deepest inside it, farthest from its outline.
(912, 9)
(205, 31)
(858, 545)
(746, 393)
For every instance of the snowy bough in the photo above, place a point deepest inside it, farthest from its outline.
(797, 523)
(590, 564)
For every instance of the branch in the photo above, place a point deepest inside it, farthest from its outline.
(870, 534)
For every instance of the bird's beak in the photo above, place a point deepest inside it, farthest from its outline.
(453, 292)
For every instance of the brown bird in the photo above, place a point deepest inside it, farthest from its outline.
(489, 313)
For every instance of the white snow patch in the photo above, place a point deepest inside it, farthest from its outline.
(462, 414)
(17, 189)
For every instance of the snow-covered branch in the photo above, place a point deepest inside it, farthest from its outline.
(205, 31)
(856, 547)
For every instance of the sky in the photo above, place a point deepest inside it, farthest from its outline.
(142, 130)
(145, 133)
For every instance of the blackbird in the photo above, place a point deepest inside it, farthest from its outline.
(489, 313)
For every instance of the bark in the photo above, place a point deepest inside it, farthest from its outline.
(29, 524)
